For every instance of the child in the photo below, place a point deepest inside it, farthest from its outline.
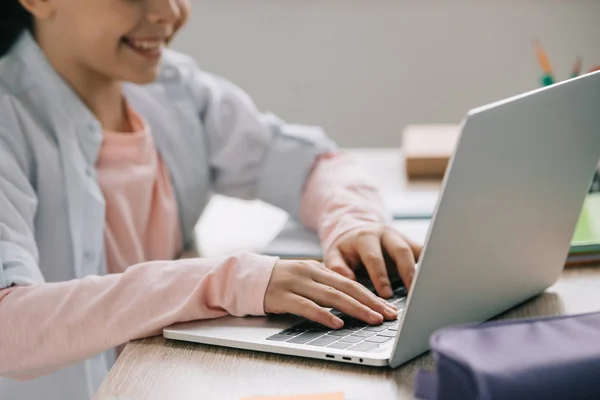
(110, 146)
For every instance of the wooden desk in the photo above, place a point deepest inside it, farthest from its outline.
(159, 369)
(156, 368)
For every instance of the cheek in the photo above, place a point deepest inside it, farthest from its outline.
(100, 50)
(185, 8)
(99, 41)
(102, 36)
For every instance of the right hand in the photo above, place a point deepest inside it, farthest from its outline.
(305, 287)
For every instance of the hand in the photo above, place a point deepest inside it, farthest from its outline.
(305, 287)
(370, 247)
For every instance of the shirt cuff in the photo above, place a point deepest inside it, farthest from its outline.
(253, 281)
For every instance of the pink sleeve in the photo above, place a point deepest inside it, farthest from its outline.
(48, 326)
(338, 198)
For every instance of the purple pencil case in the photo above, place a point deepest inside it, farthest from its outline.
(542, 358)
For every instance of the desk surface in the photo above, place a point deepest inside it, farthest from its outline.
(156, 368)
(159, 369)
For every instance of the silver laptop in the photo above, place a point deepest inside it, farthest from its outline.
(500, 233)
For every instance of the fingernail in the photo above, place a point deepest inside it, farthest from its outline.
(386, 291)
(337, 323)
(376, 317)
(392, 313)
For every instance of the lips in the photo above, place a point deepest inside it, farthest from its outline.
(148, 47)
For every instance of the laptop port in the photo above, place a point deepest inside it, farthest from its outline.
(347, 358)
(329, 356)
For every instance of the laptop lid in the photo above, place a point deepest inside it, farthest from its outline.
(510, 201)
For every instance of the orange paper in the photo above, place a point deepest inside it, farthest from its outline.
(324, 396)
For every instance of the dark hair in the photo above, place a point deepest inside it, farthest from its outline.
(14, 19)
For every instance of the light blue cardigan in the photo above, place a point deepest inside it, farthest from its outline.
(52, 213)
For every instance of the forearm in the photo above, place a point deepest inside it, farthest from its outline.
(44, 327)
(338, 197)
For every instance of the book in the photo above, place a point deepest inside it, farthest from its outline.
(427, 149)
(585, 246)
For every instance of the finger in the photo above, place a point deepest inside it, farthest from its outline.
(402, 255)
(358, 293)
(369, 250)
(304, 307)
(335, 262)
(415, 247)
(328, 296)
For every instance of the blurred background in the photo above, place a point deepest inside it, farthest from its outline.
(363, 69)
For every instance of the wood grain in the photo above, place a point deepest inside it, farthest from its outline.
(157, 368)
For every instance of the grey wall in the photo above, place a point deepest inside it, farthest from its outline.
(365, 68)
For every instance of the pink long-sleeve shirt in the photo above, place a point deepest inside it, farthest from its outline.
(79, 318)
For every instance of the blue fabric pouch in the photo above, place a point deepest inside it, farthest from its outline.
(544, 358)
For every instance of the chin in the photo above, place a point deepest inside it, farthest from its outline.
(140, 76)
(142, 79)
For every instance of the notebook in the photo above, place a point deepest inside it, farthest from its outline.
(585, 247)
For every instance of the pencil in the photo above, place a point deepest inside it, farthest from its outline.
(547, 77)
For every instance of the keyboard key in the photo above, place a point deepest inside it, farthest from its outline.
(312, 326)
(291, 332)
(375, 328)
(363, 333)
(335, 312)
(304, 326)
(279, 338)
(394, 328)
(319, 328)
(341, 332)
(364, 346)
(388, 333)
(390, 323)
(352, 339)
(377, 339)
(340, 345)
(323, 341)
(354, 324)
(353, 327)
(401, 302)
(305, 337)
(397, 299)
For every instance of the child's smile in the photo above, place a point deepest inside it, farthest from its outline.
(148, 47)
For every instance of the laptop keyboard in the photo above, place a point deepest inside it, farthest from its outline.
(356, 335)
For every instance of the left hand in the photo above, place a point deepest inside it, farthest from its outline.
(370, 247)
